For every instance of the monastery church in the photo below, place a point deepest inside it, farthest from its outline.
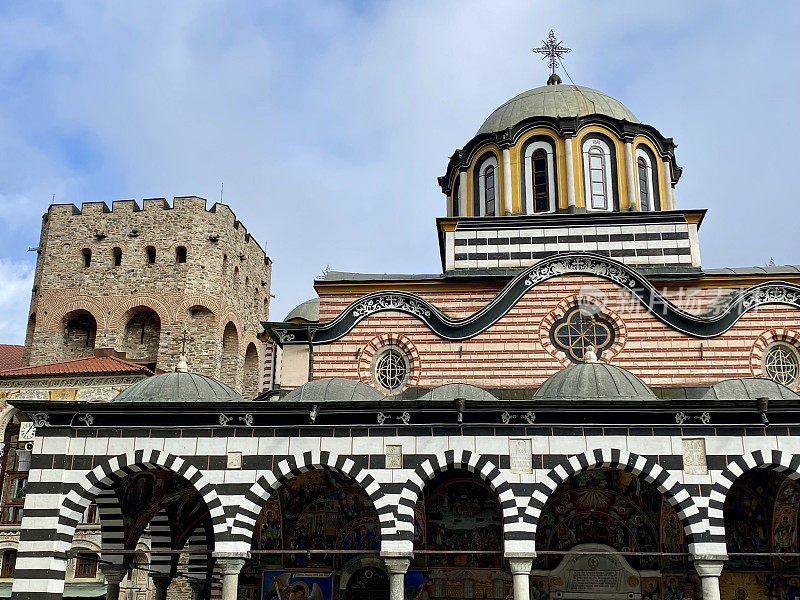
(574, 408)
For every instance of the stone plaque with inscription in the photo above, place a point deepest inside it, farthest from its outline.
(394, 457)
(694, 456)
(591, 570)
(520, 451)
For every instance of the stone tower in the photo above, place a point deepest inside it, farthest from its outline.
(141, 280)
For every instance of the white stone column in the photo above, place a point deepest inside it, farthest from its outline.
(709, 571)
(231, 567)
(668, 194)
(507, 181)
(462, 192)
(397, 568)
(570, 173)
(629, 177)
(521, 574)
(114, 575)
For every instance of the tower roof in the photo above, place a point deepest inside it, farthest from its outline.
(554, 101)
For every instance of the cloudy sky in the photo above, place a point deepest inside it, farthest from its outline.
(328, 122)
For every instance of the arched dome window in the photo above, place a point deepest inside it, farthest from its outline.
(456, 212)
(646, 180)
(597, 175)
(486, 197)
(539, 185)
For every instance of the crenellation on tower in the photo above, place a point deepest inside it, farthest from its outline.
(135, 278)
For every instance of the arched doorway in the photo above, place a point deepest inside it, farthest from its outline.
(604, 521)
(307, 535)
(761, 520)
(368, 583)
(229, 365)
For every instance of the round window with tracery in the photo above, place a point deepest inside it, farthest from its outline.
(390, 368)
(782, 364)
(579, 329)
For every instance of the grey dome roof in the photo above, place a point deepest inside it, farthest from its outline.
(178, 387)
(333, 390)
(749, 388)
(307, 311)
(598, 381)
(451, 391)
(555, 101)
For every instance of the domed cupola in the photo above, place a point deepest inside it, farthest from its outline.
(180, 386)
(565, 158)
(593, 380)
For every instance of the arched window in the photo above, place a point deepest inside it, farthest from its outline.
(117, 254)
(647, 180)
(150, 251)
(456, 196)
(597, 174)
(180, 254)
(489, 191)
(485, 186)
(87, 258)
(539, 185)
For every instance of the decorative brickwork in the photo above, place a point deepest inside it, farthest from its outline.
(156, 272)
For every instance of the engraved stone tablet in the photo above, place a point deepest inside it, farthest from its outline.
(520, 451)
(394, 457)
(694, 457)
(234, 460)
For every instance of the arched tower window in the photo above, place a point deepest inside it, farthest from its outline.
(117, 254)
(87, 258)
(647, 180)
(485, 185)
(150, 251)
(539, 185)
(597, 174)
(180, 254)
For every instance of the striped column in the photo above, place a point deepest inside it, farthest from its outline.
(43, 543)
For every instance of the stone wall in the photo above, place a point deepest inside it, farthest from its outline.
(143, 304)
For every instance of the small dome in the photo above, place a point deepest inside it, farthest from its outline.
(333, 390)
(308, 311)
(594, 381)
(555, 101)
(749, 388)
(178, 387)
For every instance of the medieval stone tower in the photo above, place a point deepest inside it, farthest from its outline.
(145, 281)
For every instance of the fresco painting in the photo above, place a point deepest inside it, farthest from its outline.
(279, 585)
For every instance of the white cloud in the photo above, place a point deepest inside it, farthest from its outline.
(16, 280)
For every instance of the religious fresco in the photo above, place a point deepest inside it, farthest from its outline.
(279, 585)
(682, 586)
(464, 514)
(316, 510)
(611, 507)
(761, 516)
(540, 588)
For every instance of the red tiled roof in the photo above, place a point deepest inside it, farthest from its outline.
(10, 356)
(95, 365)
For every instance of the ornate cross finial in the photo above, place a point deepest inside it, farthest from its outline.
(552, 50)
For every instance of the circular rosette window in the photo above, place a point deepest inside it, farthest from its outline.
(782, 364)
(579, 329)
(390, 368)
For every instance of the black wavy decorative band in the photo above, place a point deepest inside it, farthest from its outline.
(707, 325)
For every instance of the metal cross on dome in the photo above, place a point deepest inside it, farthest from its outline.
(552, 50)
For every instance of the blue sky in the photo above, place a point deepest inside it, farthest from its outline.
(329, 121)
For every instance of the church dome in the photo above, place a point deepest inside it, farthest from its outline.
(554, 101)
(594, 381)
(180, 386)
(307, 311)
